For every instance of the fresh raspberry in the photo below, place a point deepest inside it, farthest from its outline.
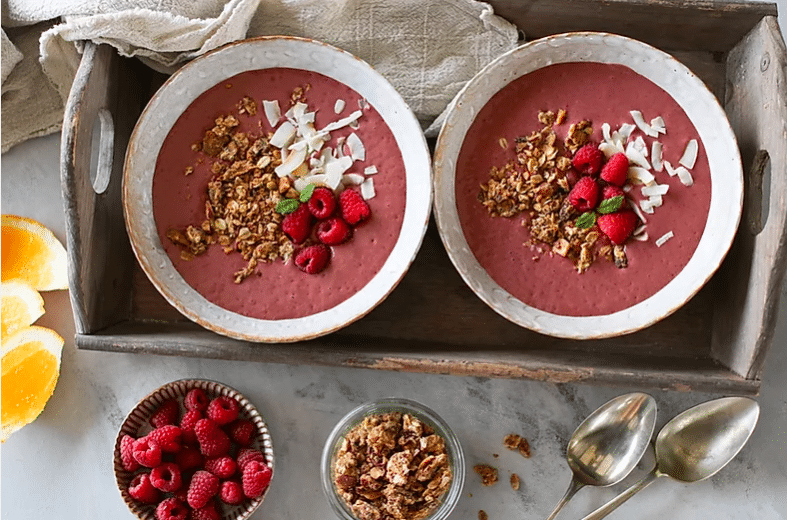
(207, 512)
(247, 455)
(616, 170)
(147, 452)
(167, 437)
(183, 490)
(213, 442)
(298, 224)
(618, 226)
(204, 485)
(611, 191)
(334, 231)
(587, 160)
(196, 399)
(223, 410)
(313, 259)
(256, 477)
(187, 423)
(165, 414)
(166, 477)
(127, 453)
(172, 509)
(353, 208)
(231, 492)
(189, 458)
(222, 467)
(322, 203)
(141, 489)
(584, 195)
(242, 431)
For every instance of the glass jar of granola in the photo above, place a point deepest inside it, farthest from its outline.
(392, 458)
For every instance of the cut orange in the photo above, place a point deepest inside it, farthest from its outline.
(31, 365)
(21, 306)
(31, 252)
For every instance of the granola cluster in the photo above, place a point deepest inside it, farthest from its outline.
(536, 183)
(518, 443)
(392, 467)
(241, 197)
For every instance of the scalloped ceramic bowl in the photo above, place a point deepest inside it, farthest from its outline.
(136, 425)
(697, 102)
(188, 84)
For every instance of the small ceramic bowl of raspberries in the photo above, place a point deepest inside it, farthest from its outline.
(193, 450)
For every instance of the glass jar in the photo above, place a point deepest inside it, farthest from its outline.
(333, 444)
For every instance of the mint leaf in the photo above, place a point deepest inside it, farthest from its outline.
(610, 205)
(306, 194)
(286, 206)
(586, 220)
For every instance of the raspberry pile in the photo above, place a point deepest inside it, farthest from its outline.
(335, 219)
(599, 191)
(194, 464)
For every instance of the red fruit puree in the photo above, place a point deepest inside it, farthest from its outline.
(280, 291)
(600, 93)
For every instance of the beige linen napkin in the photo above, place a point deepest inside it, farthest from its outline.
(427, 49)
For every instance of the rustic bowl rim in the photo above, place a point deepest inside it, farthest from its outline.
(723, 217)
(232, 59)
(265, 444)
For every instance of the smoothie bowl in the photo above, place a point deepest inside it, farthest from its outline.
(586, 185)
(276, 189)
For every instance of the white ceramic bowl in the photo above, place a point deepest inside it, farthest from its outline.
(699, 104)
(205, 72)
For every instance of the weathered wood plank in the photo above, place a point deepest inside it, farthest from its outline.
(669, 24)
(757, 109)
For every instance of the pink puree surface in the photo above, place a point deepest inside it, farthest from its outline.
(281, 291)
(600, 93)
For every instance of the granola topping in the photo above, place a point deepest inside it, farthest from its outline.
(518, 443)
(536, 184)
(488, 474)
(392, 466)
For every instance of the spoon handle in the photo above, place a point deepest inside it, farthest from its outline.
(570, 492)
(616, 502)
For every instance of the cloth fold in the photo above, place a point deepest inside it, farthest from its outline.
(427, 49)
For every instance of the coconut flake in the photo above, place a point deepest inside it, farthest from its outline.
(357, 150)
(657, 124)
(352, 179)
(689, 156)
(647, 206)
(640, 234)
(609, 149)
(339, 106)
(656, 156)
(663, 238)
(272, 112)
(641, 175)
(684, 175)
(655, 201)
(301, 182)
(637, 211)
(670, 169)
(291, 163)
(363, 104)
(656, 189)
(642, 125)
(626, 129)
(370, 170)
(367, 189)
(605, 132)
(283, 135)
(341, 123)
(340, 165)
(636, 157)
(640, 146)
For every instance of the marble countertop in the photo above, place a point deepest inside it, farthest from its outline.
(60, 466)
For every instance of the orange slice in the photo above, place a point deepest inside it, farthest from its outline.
(21, 306)
(30, 367)
(31, 252)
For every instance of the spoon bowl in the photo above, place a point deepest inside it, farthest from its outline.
(696, 444)
(609, 443)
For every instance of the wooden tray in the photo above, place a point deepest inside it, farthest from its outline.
(432, 322)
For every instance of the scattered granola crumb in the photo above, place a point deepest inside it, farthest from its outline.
(482, 515)
(514, 481)
(495, 455)
(503, 143)
(392, 466)
(488, 474)
(189, 170)
(513, 441)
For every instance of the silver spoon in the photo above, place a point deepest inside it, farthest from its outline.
(609, 443)
(696, 444)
